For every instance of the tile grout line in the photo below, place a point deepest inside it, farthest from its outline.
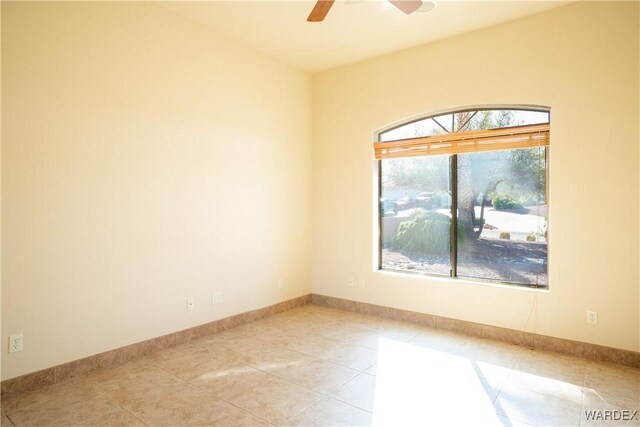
(258, 369)
(119, 407)
(519, 358)
(9, 418)
(49, 376)
(187, 381)
(321, 394)
(246, 411)
(575, 348)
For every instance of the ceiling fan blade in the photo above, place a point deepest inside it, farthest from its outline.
(320, 10)
(407, 6)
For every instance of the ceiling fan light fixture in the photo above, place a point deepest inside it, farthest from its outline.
(320, 10)
(322, 7)
(427, 6)
(407, 6)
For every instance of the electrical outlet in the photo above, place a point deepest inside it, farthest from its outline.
(280, 283)
(215, 297)
(592, 317)
(351, 282)
(361, 283)
(15, 343)
(191, 303)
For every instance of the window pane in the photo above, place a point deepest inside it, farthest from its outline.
(416, 214)
(464, 122)
(425, 127)
(502, 215)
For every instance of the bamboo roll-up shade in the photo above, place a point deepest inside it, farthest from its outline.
(465, 142)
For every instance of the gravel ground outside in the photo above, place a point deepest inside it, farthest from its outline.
(495, 259)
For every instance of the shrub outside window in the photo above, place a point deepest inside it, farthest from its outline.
(465, 194)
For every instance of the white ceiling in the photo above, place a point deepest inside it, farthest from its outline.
(353, 30)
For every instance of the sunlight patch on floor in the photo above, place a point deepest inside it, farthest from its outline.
(419, 386)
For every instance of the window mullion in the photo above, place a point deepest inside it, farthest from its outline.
(453, 174)
(380, 214)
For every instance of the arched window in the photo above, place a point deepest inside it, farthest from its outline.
(464, 194)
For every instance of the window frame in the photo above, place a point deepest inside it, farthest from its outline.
(452, 160)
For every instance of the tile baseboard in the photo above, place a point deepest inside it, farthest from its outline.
(118, 356)
(511, 336)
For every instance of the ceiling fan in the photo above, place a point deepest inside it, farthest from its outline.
(322, 7)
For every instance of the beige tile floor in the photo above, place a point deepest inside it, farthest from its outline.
(319, 366)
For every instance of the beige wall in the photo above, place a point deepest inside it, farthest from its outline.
(144, 160)
(581, 61)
